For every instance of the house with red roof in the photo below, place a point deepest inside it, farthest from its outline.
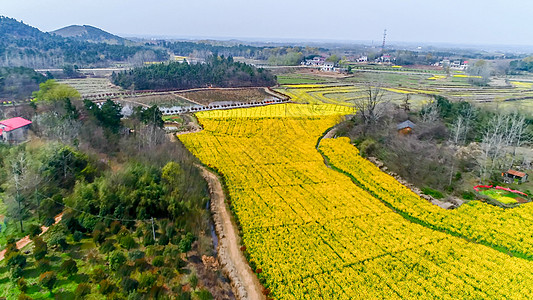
(14, 130)
(514, 176)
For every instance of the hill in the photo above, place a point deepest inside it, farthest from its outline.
(27, 46)
(89, 34)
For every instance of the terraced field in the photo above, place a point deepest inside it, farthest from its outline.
(312, 233)
(512, 95)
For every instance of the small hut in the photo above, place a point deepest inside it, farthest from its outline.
(514, 176)
(405, 127)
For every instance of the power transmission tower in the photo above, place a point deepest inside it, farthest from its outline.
(383, 45)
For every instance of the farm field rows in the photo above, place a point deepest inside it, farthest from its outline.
(517, 95)
(314, 234)
(506, 229)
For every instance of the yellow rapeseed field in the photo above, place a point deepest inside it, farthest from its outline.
(316, 235)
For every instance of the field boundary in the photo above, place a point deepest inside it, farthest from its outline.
(245, 283)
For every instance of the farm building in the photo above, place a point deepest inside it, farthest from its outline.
(14, 130)
(315, 62)
(514, 176)
(405, 127)
(328, 67)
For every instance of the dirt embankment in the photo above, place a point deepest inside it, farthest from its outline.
(234, 264)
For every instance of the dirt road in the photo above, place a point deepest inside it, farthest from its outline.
(23, 242)
(243, 279)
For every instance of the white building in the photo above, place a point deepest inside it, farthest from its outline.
(328, 67)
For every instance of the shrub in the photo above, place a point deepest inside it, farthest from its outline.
(204, 294)
(24, 297)
(107, 246)
(146, 280)
(16, 259)
(81, 290)
(124, 271)
(70, 221)
(135, 254)
(16, 273)
(106, 287)
(127, 242)
(163, 240)
(468, 195)
(43, 265)
(22, 284)
(193, 280)
(128, 284)
(141, 265)
(99, 274)
(34, 230)
(49, 222)
(77, 236)
(48, 280)
(98, 236)
(68, 267)
(88, 222)
(433, 193)
(170, 230)
(40, 248)
(186, 242)
(115, 227)
(93, 256)
(116, 259)
(158, 261)
(58, 239)
(148, 238)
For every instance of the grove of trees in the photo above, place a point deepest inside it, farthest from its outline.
(216, 72)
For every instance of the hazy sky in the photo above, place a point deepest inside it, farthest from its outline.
(507, 22)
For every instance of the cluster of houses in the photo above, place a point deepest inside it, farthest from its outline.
(321, 63)
(14, 130)
(454, 65)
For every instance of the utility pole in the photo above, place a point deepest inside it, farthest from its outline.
(153, 228)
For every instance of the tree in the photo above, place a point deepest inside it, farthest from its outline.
(108, 115)
(48, 280)
(19, 172)
(116, 259)
(40, 248)
(51, 91)
(371, 106)
(68, 268)
(504, 132)
(481, 70)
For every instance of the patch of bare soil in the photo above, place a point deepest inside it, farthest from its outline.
(242, 95)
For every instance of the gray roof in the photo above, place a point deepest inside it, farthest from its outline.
(405, 124)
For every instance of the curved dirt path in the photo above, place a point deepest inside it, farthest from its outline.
(243, 279)
(23, 242)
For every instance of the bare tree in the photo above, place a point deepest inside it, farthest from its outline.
(505, 131)
(430, 112)
(371, 106)
(53, 126)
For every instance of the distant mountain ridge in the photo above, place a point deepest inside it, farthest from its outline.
(27, 46)
(90, 34)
